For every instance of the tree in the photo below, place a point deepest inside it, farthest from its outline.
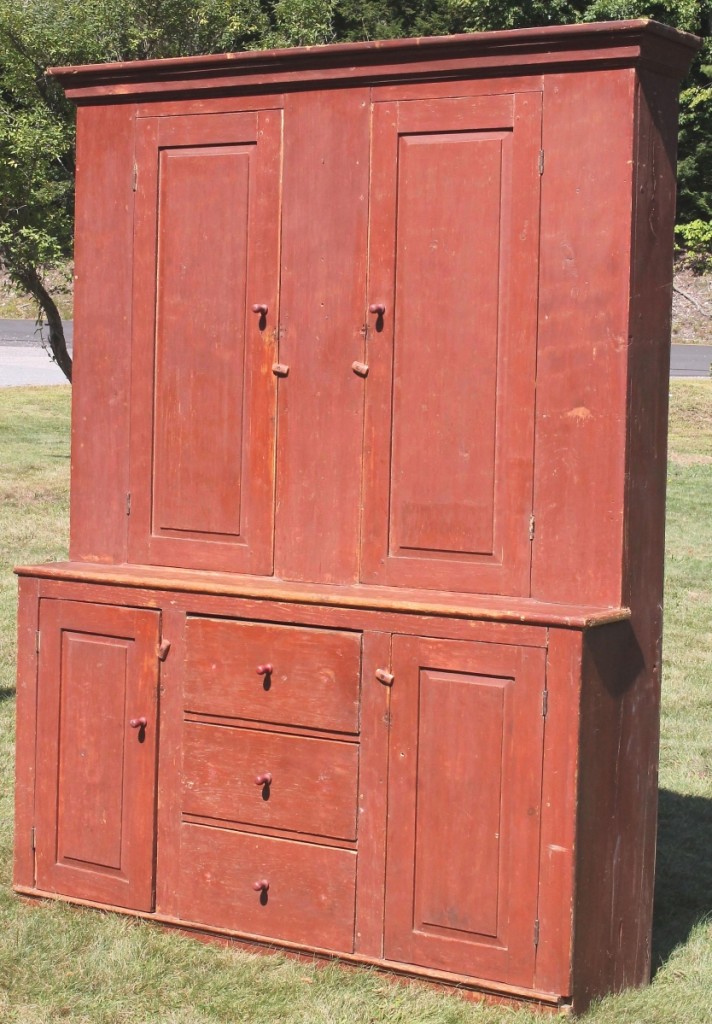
(37, 123)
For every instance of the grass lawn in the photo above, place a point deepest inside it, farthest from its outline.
(64, 964)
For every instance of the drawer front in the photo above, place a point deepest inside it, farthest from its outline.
(311, 891)
(314, 680)
(311, 789)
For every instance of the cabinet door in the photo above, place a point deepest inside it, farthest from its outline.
(464, 807)
(95, 804)
(450, 392)
(206, 245)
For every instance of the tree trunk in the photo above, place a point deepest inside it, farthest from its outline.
(31, 281)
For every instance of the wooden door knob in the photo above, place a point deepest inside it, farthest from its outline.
(384, 676)
(138, 723)
(265, 779)
(261, 886)
(378, 308)
(261, 308)
(264, 670)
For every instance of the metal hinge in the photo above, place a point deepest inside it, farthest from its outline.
(134, 178)
(163, 649)
(532, 526)
(32, 838)
(128, 503)
(37, 642)
(541, 161)
(536, 932)
(544, 703)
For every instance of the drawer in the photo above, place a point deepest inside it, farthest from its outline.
(311, 894)
(314, 680)
(313, 781)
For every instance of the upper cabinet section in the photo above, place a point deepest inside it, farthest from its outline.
(376, 313)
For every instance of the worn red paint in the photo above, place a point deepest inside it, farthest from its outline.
(367, 506)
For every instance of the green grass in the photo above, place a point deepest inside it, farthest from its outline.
(65, 964)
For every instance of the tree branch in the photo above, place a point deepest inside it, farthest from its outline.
(694, 302)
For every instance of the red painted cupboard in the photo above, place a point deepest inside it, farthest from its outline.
(357, 652)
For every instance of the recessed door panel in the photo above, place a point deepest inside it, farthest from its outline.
(203, 427)
(97, 730)
(200, 341)
(447, 278)
(453, 258)
(464, 807)
(459, 787)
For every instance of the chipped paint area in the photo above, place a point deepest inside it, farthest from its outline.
(580, 414)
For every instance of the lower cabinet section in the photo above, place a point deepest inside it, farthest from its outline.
(356, 789)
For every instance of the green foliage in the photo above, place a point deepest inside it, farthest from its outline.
(36, 123)
(695, 139)
(695, 163)
(695, 239)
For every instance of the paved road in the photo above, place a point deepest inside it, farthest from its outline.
(26, 332)
(691, 360)
(24, 361)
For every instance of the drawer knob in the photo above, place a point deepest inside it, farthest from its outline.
(260, 307)
(261, 886)
(138, 723)
(378, 308)
(265, 779)
(264, 670)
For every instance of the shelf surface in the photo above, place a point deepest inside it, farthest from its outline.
(421, 602)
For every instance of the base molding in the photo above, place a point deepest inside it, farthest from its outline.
(467, 987)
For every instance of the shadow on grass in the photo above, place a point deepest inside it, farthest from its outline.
(6, 693)
(683, 885)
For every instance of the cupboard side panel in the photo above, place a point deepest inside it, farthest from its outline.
(608, 834)
(583, 320)
(26, 731)
(322, 318)
(102, 333)
(648, 390)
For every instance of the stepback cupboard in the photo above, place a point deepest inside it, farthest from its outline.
(357, 651)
